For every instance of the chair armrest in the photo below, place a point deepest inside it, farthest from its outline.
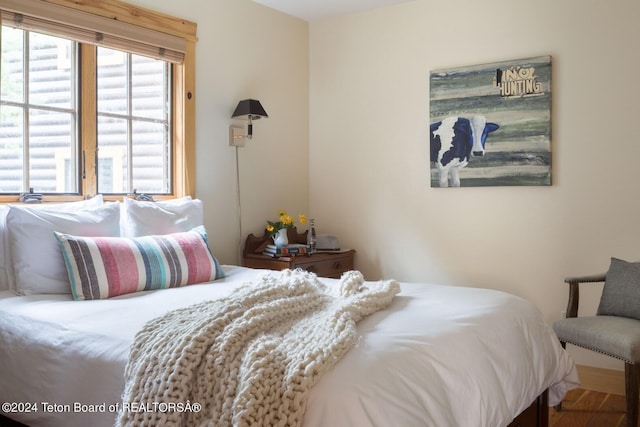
(574, 290)
(586, 279)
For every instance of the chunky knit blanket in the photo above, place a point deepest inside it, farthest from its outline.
(250, 358)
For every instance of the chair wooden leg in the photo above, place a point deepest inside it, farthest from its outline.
(632, 383)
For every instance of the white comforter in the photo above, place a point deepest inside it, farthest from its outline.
(439, 356)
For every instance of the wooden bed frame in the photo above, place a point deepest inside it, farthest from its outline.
(536, 415)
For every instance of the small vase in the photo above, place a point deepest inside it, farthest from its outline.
(280, 239)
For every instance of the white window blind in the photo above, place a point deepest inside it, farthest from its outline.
(88, 28)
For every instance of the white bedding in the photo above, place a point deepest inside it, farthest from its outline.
(439, 356)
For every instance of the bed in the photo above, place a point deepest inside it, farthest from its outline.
(435, 356)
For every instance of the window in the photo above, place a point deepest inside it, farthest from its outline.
(133, 115)
(38, 112)
(108, 110)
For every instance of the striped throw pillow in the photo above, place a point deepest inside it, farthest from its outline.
(103, 267)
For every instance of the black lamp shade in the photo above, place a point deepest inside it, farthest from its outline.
(251, 108)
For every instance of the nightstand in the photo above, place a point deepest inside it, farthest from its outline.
(323, 264)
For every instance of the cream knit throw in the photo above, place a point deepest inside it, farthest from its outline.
(250, 358)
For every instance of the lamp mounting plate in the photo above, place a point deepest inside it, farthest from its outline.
(236, 136)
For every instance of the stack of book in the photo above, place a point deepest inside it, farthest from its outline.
(287, 250)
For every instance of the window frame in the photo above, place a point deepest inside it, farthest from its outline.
(182, 96)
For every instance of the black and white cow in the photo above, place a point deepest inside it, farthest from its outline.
(453, 141)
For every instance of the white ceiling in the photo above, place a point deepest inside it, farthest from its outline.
(311, 10)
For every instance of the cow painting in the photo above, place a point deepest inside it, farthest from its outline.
(453, 141)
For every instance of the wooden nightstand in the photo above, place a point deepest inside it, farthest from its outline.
(322, 264)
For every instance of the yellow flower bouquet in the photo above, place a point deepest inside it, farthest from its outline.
(285, 221)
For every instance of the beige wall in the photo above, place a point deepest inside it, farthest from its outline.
(369, 158)
(348, 129)
(246, 50)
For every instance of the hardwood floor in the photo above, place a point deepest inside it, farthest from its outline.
(586, 408)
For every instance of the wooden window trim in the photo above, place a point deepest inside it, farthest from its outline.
(183, 94)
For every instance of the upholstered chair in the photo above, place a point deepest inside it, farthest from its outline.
(615, 329)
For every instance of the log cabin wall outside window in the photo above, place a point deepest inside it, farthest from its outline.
(95, 98)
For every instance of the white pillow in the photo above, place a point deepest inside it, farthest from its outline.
(163, 217)
(38, 264)
(6, 266)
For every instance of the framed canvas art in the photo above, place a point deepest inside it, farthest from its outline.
(490, 124)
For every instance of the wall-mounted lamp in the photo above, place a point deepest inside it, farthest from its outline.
(250, 109)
